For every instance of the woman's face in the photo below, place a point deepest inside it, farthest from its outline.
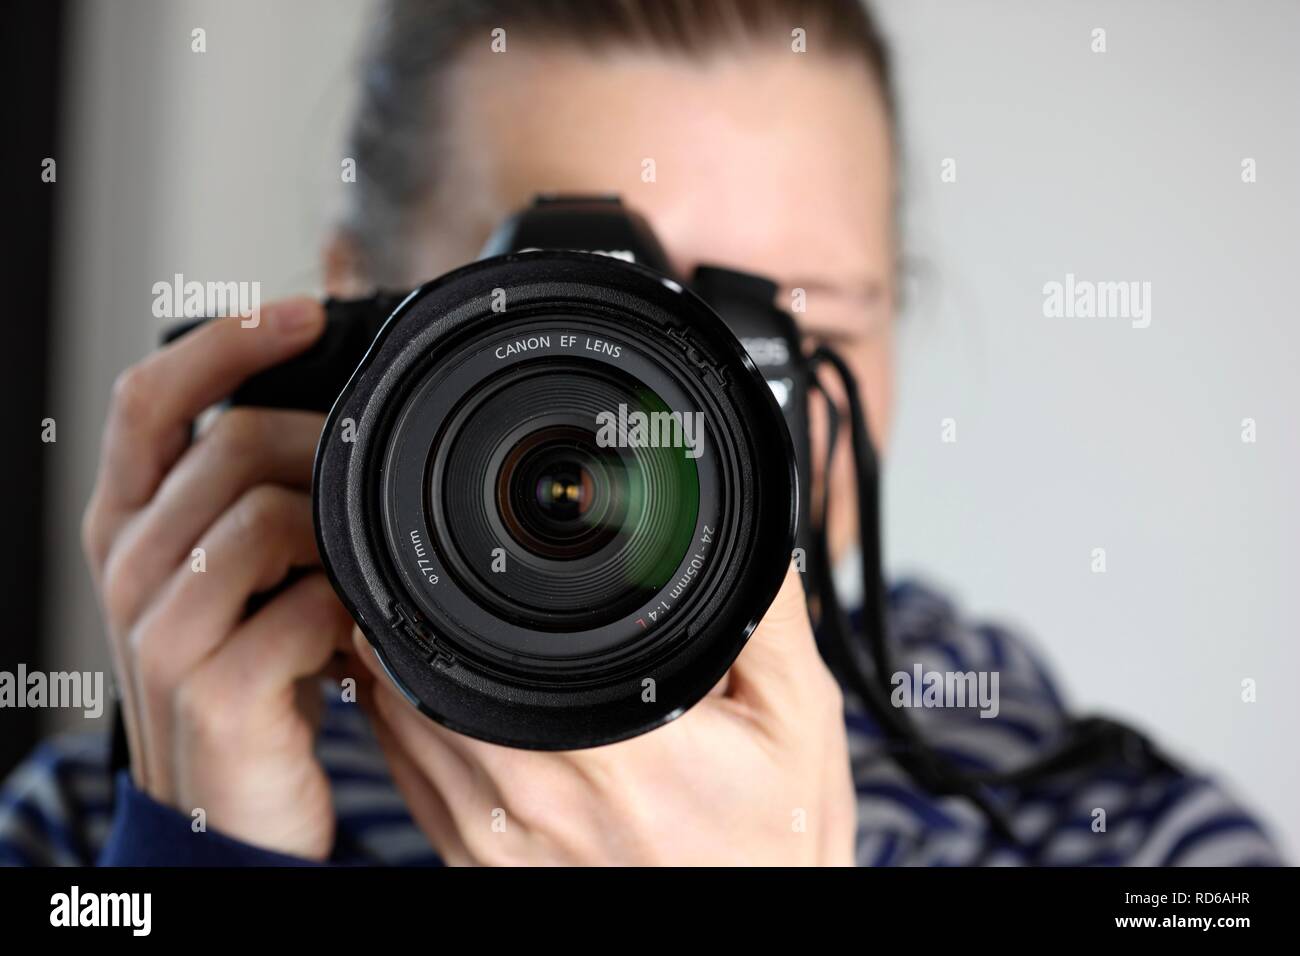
(774, 163)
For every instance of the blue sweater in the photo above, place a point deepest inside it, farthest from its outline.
(62, 807)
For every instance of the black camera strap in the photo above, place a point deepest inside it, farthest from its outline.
(871, 685)
(1091, 741)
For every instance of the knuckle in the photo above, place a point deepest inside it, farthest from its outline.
(602, 773)
(203, 706)
(133, 394)
(259, 513)
(121, 587)
(239, 434)
(539, 795)
(526, 809)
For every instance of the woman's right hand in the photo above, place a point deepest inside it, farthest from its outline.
(218, 703)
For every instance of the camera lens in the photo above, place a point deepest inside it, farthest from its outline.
(556, 524)
(546, 525)
(559, 496)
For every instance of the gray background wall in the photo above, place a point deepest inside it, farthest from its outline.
(1072, 434)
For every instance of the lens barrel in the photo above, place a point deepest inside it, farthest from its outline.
(557, 522)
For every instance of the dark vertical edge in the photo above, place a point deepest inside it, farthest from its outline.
(31, 61)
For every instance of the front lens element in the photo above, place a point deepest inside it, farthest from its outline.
(544, 520)
(560, 495)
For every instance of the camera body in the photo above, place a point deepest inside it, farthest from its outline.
(555, 489)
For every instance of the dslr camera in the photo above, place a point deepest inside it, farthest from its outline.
(557, 488)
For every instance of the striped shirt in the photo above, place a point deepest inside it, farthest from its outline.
(59, 807)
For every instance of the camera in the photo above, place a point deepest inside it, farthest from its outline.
(557, 488)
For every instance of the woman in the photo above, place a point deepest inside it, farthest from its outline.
(757, 135)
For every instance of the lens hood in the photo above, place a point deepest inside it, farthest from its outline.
(520, 341)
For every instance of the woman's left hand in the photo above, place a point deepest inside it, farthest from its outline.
(756, 773)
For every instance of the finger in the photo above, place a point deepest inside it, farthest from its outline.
(427, 807)
(466, 790)
(780, 663)
(251, 548)
(417, 787)
(292, 637)
(450, 769)
(155, 401)
(244, 448)
(502, 765)
(346, 665)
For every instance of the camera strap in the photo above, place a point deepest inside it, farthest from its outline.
(1090, 741)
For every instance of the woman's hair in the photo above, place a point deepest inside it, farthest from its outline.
(395, 130)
